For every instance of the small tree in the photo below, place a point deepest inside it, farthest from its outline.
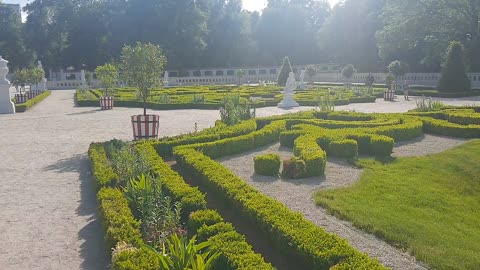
(310, 71)
(20, 79)
(88, 78)
(142, 68)
(454, 76)
(284, 72)
(370, 81)
(36, 76)
(389, 79)
(240, 74)
(348, 71)
(107, 74)
(398, 69)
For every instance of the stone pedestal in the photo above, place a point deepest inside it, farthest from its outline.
(6, 104)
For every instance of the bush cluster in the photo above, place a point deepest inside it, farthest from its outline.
(290, 233)
(268, 164)
(294, 168)
(190, 198)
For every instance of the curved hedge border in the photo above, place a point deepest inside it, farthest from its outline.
(236, 253)
(290, 232)
(22, 107)
(191, 198)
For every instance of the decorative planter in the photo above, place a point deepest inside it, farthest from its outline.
(21, 98)
(145, 127)
(106, 103)
(389, 95)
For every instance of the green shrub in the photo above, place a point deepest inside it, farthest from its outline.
(464, 118)
(137, 259)
(102, 171)
(287, 138)
(117, 219)
(174, 185)
(454, 75)
(307, 149)
(207, 231)
(202, 217)
(346, 148)
(267, 164)
(22, 107)
(439, 127)
(294, 168)
(291, 234)
(382, 146)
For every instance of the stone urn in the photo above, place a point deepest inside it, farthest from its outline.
(6, 104)
(145, 126)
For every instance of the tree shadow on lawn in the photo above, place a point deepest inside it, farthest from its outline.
(93, 250)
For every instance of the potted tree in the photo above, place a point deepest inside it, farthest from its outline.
(107, 74)
(19, 81)
(142, 68)
(311, 71)
(348, 71)
(398, 69)
(35, 77)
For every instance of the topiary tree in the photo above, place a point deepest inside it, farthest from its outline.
(142, 68)
(348, 71)
(240, 74)
(398, 69)
(107, 74)
(311, 71)
(454, 76)
(284, 72)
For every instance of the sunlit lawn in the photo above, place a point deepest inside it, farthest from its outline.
(427, 205)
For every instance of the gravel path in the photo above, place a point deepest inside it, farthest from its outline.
(297, 194)
(47, 201)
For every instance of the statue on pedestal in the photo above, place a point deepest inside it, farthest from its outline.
(43, 86)
(6, 104)
(288, 92)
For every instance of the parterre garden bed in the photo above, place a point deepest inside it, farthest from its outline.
(212, 97)
(312, 135)
(23, 107)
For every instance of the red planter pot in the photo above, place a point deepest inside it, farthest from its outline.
(145, 127)
(389, 95)
(21, 98)
(106, 103)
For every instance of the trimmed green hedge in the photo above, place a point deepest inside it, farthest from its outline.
(22, 107)
(230, 146)
(268, 164)
(290, 233)
(137, 259)
(382, 146)
(117, 219)
(165, 148)
(346, 148)
(101, 169)
(235, 252)
(307, 148)
(191, 198)
(439, 127)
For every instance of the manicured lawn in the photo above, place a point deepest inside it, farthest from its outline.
(428, 205)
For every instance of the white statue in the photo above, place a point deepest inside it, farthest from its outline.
(83, 79)
(40, 65)
(43, 86)
(302, 80)
(288, 92)
(165, 79)
(6, 104)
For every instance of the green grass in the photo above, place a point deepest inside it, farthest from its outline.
(429, 205)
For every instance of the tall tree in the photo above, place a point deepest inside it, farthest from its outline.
(419, 31)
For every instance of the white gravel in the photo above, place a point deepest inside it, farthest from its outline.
(47, 202)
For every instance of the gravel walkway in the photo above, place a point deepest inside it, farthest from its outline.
(47, 200)
(297, 194)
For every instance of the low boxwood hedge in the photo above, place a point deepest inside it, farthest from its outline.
(346, 148)
(445, 128)
(290, 233)
(307, 148)
(101, 169)
(268, 164)
(22, 107)
(191, 198)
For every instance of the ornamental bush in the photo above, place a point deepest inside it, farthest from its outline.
(382, 146)
(267, 164)
(454, 75)
(344, 148)
(294, 168)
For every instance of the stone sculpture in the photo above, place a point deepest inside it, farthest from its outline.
(165, 79)
(302, 80)
(6, 104)
(288, 92)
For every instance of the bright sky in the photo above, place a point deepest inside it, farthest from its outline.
(257, 5)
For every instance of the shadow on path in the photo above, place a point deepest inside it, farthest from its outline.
(93, 250)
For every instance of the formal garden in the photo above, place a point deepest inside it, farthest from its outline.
(143, 182)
